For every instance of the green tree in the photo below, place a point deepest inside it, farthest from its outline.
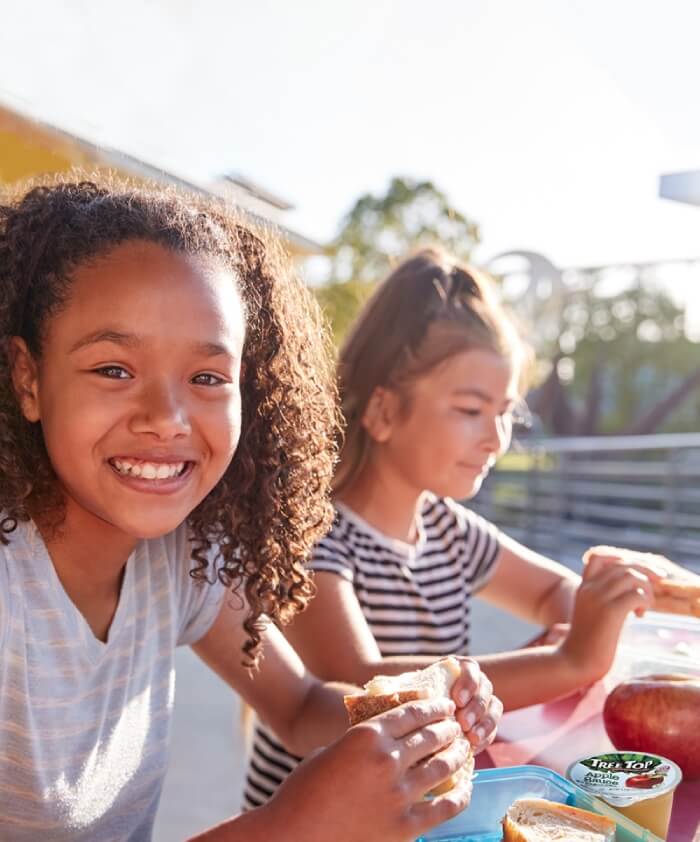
(378, 232)
(620, 364)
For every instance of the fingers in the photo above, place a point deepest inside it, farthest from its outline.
(467, 684)
(438, 768)
(479, 712)
(475, 710)
(484, 732)
(656, 567)
(619, 588)
(428, 814)
(429, 740)
(403, 720)
(609, 582)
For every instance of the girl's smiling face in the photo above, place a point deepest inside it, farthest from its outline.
(451, 426)
(137, 388)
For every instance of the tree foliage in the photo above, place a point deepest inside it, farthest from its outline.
(620, 364)
(378, 232)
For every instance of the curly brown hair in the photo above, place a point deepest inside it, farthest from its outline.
(271, 504)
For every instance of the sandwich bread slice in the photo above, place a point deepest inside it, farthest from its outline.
(385, 692)
(675, 596)
(539, 820)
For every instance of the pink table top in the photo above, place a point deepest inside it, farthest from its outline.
(556, 734)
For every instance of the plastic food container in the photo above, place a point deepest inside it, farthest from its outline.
(496, 789)
(638, 785)
(657, 643)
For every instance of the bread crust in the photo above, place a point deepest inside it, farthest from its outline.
(513, 831)
(677, 597)
(361, 706)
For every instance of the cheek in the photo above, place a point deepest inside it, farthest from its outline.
(462, 429)
(73, 419)
(223, 425)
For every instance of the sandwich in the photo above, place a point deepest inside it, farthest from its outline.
(385, 692)
(672, 595)
(539, 820)
(676, 596)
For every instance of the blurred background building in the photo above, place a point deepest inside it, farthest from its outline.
(30, 148)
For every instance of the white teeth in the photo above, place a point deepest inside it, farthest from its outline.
(163, 471)
(148, 470)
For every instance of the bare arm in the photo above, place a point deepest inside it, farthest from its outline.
(255, 826)
(302, 711)
(335, 640)
(531, 586)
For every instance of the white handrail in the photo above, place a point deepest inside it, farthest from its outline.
(580, 444)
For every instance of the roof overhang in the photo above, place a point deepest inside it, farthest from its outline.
(60, 150)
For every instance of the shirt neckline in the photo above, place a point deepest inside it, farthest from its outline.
(396, 545)
(94, 647)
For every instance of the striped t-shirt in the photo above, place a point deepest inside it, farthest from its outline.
(415, 598)
(84, 724)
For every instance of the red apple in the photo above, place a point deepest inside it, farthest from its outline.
(658, 714)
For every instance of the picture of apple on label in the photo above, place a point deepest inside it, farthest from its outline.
(624, 777)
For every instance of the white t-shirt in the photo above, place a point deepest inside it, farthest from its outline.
(84, 725)
(415, 598)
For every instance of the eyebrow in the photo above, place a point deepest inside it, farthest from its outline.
(131, 340)
(114, 336)
(471, 392)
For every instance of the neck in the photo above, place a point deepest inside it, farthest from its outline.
(385, 501)
(88, 554)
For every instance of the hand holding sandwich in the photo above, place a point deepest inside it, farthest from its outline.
(478, 710)
(675, 589)
(371, 783)
(607, 594)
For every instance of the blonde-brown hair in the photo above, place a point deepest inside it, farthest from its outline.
(428, 309)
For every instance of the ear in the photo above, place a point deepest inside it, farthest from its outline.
(380, 414)
(25, 379)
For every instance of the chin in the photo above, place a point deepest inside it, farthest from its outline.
(457, 490)
(147, 523)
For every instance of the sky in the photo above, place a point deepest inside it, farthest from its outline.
(548, 122)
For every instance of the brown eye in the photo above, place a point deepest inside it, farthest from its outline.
(112, 372)
(206, 379)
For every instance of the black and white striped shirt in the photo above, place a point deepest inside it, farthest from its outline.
(415, 598)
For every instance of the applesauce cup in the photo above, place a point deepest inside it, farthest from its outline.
(637, 784)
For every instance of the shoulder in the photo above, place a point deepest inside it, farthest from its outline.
(15, 556)
(196, 600)
(449, 518)
(336, 551)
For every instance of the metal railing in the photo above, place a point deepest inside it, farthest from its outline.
(562, 495)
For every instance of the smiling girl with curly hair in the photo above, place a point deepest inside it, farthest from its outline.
(167, 417)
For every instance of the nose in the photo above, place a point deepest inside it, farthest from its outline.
(161, 411)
